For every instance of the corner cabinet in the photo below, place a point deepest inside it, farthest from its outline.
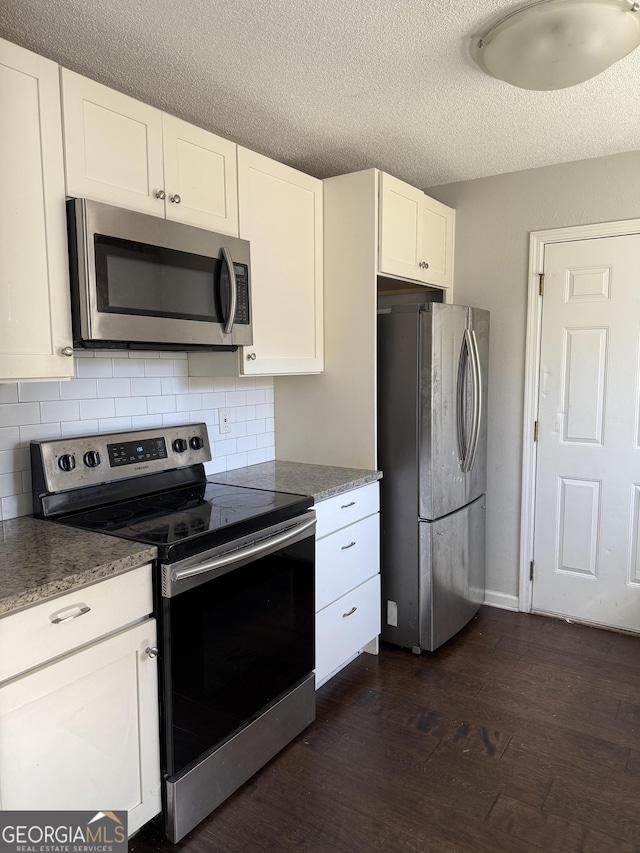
(79, 702)
(347, 578)
(35, 317)
(280, 212)
(123, 152)
(416, 234)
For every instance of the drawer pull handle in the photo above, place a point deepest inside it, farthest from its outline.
(350, 613)
(78, 610)
(346, 506)
(350, 545)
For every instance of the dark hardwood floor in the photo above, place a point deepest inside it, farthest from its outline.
(520, 734)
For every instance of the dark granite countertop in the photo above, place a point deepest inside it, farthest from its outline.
(40, 560)
(300, 478)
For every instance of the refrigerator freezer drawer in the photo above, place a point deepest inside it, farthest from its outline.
(452, 573)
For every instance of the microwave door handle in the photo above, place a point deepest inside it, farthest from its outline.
(226, 254)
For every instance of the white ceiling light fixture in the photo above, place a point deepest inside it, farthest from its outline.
(553, 44)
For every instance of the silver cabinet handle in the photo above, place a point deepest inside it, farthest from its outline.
(160, 194)
(350, 545)
(251, 356)
(346, 506)
(175, 199)
(151, 651)
(68, 351)
(226, 254)
(80, 610)
(350, 612)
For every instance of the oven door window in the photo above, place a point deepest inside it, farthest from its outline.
(237, 643)
(141, 279)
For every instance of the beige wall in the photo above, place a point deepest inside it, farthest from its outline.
(493, 219)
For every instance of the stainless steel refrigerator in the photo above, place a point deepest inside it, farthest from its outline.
(432, 435)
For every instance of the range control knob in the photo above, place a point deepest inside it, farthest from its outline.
(179, 445)
(91, 458)
(67, 462)
(196, 442)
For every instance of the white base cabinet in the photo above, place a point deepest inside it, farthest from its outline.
(347, 578)
(35, 314)
(80, 731)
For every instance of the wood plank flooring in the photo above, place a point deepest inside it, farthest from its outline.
(520, 734)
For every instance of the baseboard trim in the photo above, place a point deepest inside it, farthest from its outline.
(501, 600)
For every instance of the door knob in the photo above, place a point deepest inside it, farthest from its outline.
(175, 199)
(160, 194)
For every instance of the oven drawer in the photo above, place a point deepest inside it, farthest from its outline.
(34, 637)
(346, 626)
(345, 508)
(346, 559)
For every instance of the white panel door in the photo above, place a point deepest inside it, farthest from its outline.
(35, 316)
(201, 177)
(587, 515)
(401, 228)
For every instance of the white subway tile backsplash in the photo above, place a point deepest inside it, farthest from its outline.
(9, 392)
(29, 392)
(131, 406)
(94, 367)
(94, 409)
(146, 387)
(114, 387)
(60, 410)
(16, 414)
(9, 437)
(116, 391)
(79, 389)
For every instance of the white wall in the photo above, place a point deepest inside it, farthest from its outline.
(493, 219)
(120, 391)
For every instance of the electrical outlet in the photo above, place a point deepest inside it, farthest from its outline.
(224, 420)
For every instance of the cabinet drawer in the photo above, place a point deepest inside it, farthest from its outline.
(31, 637)
(346, 559)
(345, 626)
(346, 508)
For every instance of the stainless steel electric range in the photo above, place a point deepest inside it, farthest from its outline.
(234, 597)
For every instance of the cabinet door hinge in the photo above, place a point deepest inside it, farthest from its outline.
(535, 431)
(531, 570)
(541, 283)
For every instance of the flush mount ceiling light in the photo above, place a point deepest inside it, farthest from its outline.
(553, 44)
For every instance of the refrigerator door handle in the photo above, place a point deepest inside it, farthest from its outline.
(463, 368)
(476, 379)
(469, 364)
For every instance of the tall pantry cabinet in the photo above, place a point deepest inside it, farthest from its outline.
(374, 226)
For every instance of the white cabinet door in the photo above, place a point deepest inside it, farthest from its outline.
(416, 234)
(35, 317)
(123, 152)
(200, 177)
(280, 212)
(82, 733)
(113, 146)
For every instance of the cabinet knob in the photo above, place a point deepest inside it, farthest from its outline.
(424, 265)
(175, 199)
(251, 356)
(68, 351)
(151, 651)
(160, 194)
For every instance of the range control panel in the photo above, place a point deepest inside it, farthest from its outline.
(70, 463)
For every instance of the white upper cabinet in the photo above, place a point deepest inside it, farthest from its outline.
(416, 234)
(123, 152)
(281, 215)
(35, 318)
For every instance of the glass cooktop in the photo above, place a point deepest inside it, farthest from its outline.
(193, 515)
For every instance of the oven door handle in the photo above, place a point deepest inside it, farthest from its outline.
(257, 549)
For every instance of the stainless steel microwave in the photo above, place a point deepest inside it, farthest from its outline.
(142, 282)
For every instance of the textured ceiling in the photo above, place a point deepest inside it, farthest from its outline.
(336, 85)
